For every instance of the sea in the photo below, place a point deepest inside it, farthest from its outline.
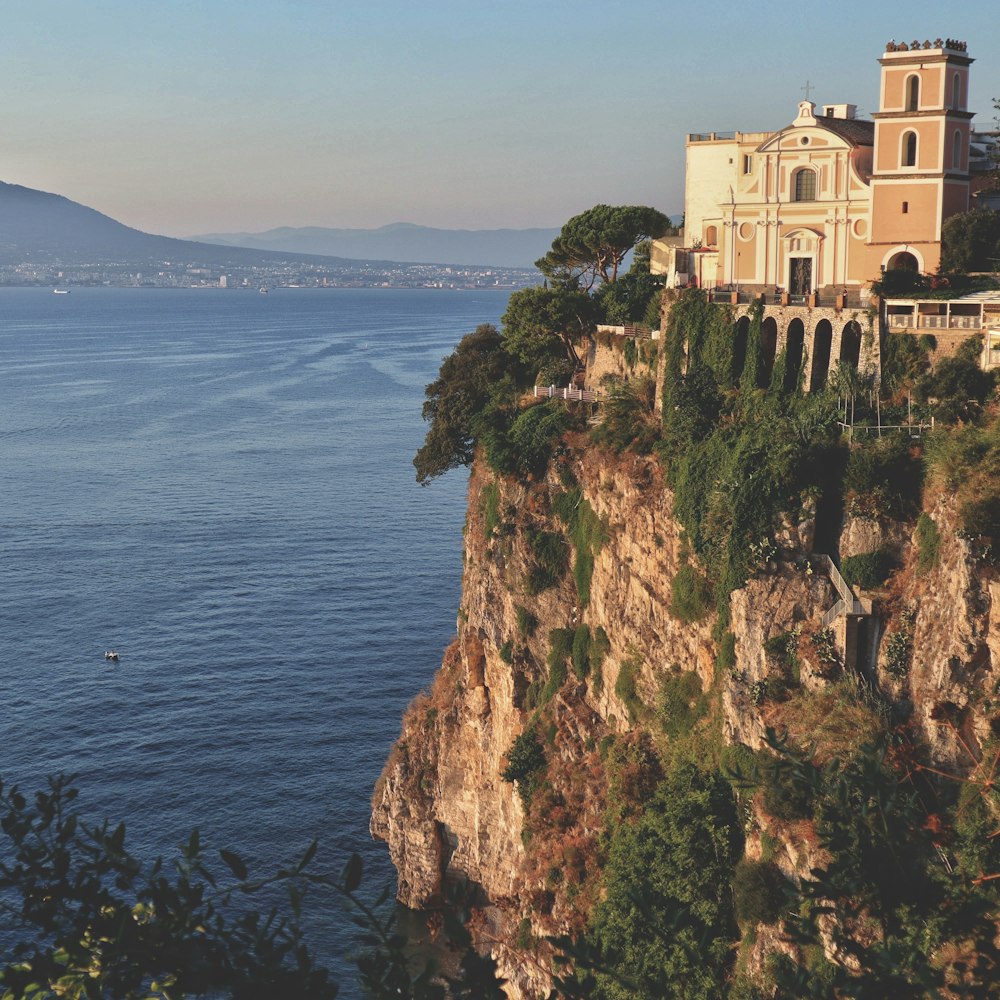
(218, 485)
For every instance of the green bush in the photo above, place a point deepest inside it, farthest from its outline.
(760, 892)
(600, 646)
(560, 650)
(928, 543)
(489, 504)
(507, 652)
(869, 570)
(785, 796)
(581, 651)
(690, 595)
(665, 922)
(525, 763)
(886, 468)
(625, 687)
(526, 621)
(681, 703)
(586, 532)
(551, 555)
(725, 659)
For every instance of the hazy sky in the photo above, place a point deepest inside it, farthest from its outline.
(193, 116)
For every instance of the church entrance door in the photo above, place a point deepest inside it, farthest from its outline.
(800, 270)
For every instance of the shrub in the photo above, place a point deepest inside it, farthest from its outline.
(489, 505)
(899, 644)
(628, 422)
(760, 892)
(928, 543)
(725, 659)
(666, 919)
(786, 797)
(681, 703)
(690, 595)
(560, 650)
(507, 652)
(868, 570)
(526, 621)
(884, 468)
(959, 386)
(551, 555)
(587, 533)
(625, 687)
(525, 762)
(600, 646)
(581, 651)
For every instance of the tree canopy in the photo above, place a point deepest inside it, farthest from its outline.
(467, 382)
(971, 241)
(542, 323)
(593, 244)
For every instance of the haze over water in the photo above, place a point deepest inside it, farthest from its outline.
(218, 485)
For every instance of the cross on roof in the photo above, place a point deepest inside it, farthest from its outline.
(807, 88)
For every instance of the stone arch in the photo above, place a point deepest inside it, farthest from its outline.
(850, 344)
(903, 258)
(740, 333)
(768, 350)
(820, 368)
(795, 339)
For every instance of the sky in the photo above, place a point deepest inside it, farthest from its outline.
(185, 117)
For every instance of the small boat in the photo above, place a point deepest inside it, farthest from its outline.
(60, 291)
(263, 289)
(112, 654)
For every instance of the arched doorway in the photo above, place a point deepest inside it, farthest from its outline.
(740, 346)
(903, 261)
(850, 344)
(820, 368)
(794, 342)
(768, 349)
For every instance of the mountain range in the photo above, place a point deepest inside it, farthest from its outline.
(402, 241)
(41, 227)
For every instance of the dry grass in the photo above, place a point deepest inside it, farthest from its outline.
(832, 720)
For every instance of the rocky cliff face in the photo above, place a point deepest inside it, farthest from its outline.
(441, 804)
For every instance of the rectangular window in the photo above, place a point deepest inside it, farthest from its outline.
(747, 164)
(906, 207)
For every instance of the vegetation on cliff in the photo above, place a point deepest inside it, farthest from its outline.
(869, 870)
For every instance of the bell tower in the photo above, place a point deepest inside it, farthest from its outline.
(920, 169)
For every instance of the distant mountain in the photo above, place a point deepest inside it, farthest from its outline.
(403, 241)
(37, 226)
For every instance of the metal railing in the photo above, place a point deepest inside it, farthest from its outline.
(848, 603)
(568, 393)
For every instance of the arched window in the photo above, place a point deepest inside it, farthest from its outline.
(912, 93)
(909, 149)
(956, 91)
(711, 236)
(956, 150)
(804, 185)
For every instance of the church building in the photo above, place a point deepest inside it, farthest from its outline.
(818, 209)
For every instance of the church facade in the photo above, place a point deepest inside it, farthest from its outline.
(815, 211)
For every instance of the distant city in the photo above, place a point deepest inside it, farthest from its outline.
(277, 274)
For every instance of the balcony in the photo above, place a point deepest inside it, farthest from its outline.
(911, 321)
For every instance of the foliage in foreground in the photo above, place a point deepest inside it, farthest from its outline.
(91, 920)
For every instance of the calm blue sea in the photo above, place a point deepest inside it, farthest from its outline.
(218, 485)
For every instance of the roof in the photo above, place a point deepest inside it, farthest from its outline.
(857, 131)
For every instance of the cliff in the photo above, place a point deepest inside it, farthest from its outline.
(614, 664)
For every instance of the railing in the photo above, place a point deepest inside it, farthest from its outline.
(848, 603)
(567, 393)
(916, 430)
(907, 321)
